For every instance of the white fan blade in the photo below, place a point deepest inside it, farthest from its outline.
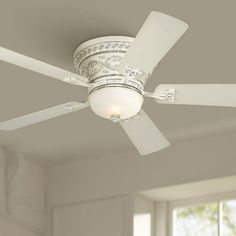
(156, 37)
(144, 134)
(197, 94)
(41, 67)
(42, 115)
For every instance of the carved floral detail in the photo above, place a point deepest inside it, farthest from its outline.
(133, 72)
(112, 62)
(94, 67)
(100, 60)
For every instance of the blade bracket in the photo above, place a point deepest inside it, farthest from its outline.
(164, 95)
(133, 72)
(75, 106)
(72, 80)
(167, 95)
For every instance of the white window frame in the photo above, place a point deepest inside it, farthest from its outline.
(197, 201)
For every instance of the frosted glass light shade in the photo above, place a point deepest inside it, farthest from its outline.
(116, 101)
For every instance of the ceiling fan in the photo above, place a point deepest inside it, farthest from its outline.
(115, 70)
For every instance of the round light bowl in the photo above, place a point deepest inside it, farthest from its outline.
(115, 102)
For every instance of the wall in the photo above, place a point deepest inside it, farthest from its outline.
(21, 196)
(90, 180)
(8, 227)
(205, 158)
(2, 181)
(105, 217)
(118, 216)
(160, 219)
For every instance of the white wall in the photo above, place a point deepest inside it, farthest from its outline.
(205, 158)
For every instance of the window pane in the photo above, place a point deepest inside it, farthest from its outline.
(229, 218)
(201, 220)
(142, 225)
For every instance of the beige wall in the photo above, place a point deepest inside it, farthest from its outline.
(94, 179)
(21, 196)
(205, 158)
(9, 227)
(2, 181)
(104, 217)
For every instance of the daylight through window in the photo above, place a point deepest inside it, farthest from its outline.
(210, 219)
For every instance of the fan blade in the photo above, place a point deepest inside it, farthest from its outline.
(41, 67)
(144, 134)
(196, 94)
(42, 115)
(156, 37)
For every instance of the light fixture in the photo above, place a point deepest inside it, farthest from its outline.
(115, 70)
(115, 102)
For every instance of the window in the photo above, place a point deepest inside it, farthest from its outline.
(228, 218)
(142, 225)
(198, 220)
(214, 218)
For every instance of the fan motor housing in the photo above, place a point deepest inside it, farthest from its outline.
(97, 59)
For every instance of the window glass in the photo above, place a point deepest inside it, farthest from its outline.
(201, 220)
(229, 218)
(142, 225)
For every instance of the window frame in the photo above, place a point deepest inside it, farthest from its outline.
(227, 196)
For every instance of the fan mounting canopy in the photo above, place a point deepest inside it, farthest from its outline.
(98, 58)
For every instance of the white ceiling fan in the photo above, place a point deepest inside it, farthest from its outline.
(115, 70)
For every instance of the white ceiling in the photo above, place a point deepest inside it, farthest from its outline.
(51, 30)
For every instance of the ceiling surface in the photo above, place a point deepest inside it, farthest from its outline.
(51, 30)
(192, 190)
